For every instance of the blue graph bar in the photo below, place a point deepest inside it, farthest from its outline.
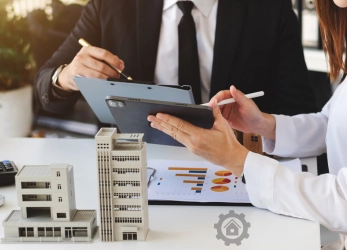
(197, 172)
(158, 183)
(201, 178)
(199, 185)
(198, 191)
(234, 186)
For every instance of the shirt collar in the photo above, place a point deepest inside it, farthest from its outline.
(204, 6)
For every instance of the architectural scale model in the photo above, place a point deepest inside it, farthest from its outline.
(251, 141)
(48, 212)
(123, 199)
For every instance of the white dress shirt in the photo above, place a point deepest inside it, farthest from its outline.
(322, 199)
(205, 17)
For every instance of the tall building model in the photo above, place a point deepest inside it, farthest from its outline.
(123, 198)
(46, 195)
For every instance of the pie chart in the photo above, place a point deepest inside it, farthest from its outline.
(219, 189)
(221, 181)
(223, 173)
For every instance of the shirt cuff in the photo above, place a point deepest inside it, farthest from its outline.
(259, 172)
(59, 93)
(285, 140)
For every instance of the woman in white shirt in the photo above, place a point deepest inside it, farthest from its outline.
(270, 185)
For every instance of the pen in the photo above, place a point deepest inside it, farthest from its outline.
(231, 100)
(84, 43)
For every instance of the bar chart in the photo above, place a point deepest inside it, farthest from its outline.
(194, 181)
(199, 181)
(193, 177)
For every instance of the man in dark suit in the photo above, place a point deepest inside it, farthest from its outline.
(252, 44)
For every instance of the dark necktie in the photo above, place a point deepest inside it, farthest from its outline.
(188, 58)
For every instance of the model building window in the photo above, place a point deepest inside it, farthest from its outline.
(22, 232)
(59, 186)
(79, 232)
(58, 173)
(109, 220)
(41, 232)
(126, 158)
(26, 232)
(127, 208)
(57, 231)
(129, 236)
(126, 170)
(49, 232)
(127, 196)
(60, 199)
(126, 183)
(254, 138)
(61, 215)
(30, 232)
(128, 220)
(103, 158)
(36, 185)
(104, 183)
(103, 146)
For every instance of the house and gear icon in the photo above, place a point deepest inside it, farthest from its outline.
(230, 232)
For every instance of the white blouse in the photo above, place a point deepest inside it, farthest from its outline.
(318, 198)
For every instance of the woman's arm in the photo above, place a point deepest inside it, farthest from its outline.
(322, 199)
(298, 136)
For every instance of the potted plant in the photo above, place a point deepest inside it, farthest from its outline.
(16, 74)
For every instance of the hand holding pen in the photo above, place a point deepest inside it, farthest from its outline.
(84, 43)
(91, 62)
(241, 112)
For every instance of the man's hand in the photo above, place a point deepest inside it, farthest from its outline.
(217, 145)
(90, 62)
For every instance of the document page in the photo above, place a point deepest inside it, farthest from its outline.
(199, 181)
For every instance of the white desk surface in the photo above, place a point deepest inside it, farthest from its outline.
(171, 227)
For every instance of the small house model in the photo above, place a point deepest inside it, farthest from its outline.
(46, 196)
(122, 175)
(251, 141)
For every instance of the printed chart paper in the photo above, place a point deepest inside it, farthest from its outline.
(199, 181)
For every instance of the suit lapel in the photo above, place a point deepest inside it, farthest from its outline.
(230, 18)
(149, 15)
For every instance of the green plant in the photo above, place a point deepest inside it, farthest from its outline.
(16, 60)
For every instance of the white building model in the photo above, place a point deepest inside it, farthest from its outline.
(123, 199)
(48, 212)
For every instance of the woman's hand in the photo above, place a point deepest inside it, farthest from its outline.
(217, 145)
(244, 115)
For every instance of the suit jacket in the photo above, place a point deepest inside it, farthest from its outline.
(257, 47)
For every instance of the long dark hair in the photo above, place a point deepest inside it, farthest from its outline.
(333, 28)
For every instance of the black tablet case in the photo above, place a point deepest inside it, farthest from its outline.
(132, 117)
